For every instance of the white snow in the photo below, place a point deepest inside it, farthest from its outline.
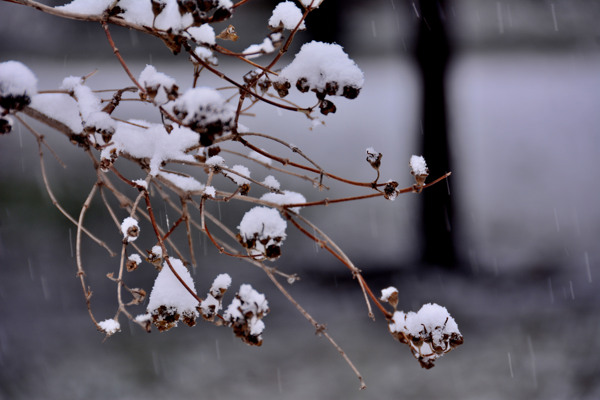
(254, 301)
(210, 191)
(169, 292)
(87, 7)
(257, 326)
(241, 178)
(156, 251)
(130, 229)
(264, 221)
(210, 306)
(212, 303)
(168, 19)
(143, 317)
(266, 226)
(221, 283)
(203, 106)
(418, 165)
(429, 318)
(387, 292)
(154, 143)
(185, 183)
(135, 258)
(158, 82)
(259, 157)
(215, 161)
(271, 182)
(61, 107)
(311, 3)
(109, 326)
(90, 106)
(287, 15)
(321, 64)
(248, 301)
(203, 34)
(255, 50)
(141, 182)
(137, 12)
(287, 197)
(228, 4)
(205, 55)
(16, 79)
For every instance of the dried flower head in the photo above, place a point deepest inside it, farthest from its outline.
(245, 314)
(169, 300)
(262, 232)
(430, 333)
(130, 229)
(418, 168)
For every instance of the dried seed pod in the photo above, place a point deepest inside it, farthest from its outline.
(14, 102)
(187, 6)
(302, 85)
(350, 92)
(282, 87)
(221, 14)
(158, 6)
(374, 158)
(331, 88)
(389, 191)
(327, 107)
(228, 34)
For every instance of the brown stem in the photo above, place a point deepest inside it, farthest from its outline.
(164, 248)
(121, 60)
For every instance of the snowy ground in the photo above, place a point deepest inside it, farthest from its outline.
(526, 135)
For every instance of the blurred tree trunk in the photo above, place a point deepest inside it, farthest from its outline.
(433, 54)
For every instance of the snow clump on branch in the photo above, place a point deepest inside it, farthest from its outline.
(287, 197)
(170, 301)
(262, 232)
(212, 304)
(286, 15)
(17, 85)
(205, 111)
(245, 314)
(430, 333)
(323, 68)
(130, 229)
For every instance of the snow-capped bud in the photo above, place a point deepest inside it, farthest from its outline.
(17, 85)
(139, 295)
(430, 333)
(262, 232)
(374, 158)
(390, 295)
(133, 261)
(418, 168)
(109, 326)
(130, 229)
(245, 314)
(327, 107)
(155, 256)
(170, 302)
(389, 191)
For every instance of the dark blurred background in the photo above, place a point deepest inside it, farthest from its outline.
(505, 94)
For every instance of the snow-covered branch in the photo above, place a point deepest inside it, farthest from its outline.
(187, 160)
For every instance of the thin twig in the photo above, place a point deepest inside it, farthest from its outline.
(80, 272)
